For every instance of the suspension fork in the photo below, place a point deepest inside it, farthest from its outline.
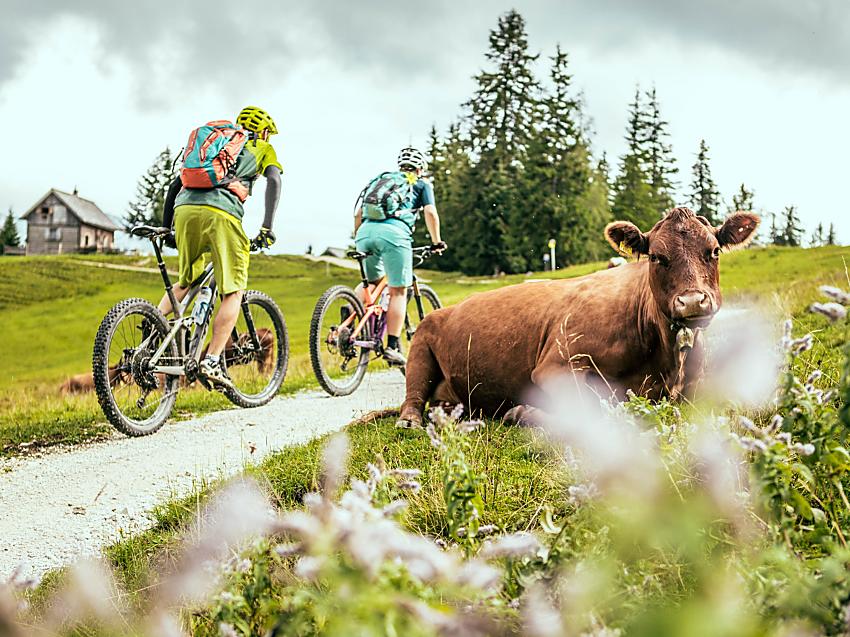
(249, 322)
(418, 298)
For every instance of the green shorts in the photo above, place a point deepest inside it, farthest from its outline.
(202, 229)
(391, 245)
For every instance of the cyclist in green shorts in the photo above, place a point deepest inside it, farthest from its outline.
(210, 220)
(391, 243)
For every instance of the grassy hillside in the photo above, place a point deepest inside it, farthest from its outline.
(719, 527)
(51, 307)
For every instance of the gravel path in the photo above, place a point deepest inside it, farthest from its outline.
(61, 506)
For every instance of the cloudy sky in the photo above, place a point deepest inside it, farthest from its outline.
(91, 91)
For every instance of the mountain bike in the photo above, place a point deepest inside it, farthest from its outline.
(345, 332)
(141, 359)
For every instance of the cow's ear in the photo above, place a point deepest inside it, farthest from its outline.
(626, 238)
(738, 230)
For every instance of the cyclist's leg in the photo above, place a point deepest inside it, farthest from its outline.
(190, 254)
(398, 260)
(230, 249)
(365, 242)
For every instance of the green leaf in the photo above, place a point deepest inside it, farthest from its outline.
(801, 505)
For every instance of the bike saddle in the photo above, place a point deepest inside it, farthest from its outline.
(149, 231)
(355, 254)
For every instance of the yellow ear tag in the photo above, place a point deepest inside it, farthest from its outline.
(624, 249)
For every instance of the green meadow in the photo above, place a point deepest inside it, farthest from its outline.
(50, 309)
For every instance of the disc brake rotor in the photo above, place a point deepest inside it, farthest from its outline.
(141, 370)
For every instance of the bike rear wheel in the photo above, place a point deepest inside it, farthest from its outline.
(430, 302)
(135, 400)
(257, 368)
(339, 365)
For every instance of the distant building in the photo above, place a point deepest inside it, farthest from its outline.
(339, 253)
(60, 223)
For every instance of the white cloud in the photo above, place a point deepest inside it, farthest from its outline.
(92, 104)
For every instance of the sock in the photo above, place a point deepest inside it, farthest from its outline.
(213, 358)
(392, 342)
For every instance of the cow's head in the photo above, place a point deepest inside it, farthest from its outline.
(683, 251)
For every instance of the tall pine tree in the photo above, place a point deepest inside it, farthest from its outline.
(775, 235)
(147, 207)
(704, 197)
(503, 109)
(791, 232)
(501, 119)
(9, 235)
(830, 238)
(742, 200)
(556, 177)
(594, 201)
(632, 196)
(818, 237)
(660, 163)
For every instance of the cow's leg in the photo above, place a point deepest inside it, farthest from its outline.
(549, 376)
(525, 416)
(423, 376)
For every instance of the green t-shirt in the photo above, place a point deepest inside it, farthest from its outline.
(256, 156)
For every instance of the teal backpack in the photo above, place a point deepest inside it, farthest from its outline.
(387, 195)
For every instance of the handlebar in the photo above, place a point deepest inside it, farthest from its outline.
(421, 253)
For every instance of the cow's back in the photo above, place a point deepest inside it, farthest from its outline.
(489, 345)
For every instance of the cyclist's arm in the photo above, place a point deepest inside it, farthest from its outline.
(168, 209)
(358, 219)
(273, 186)
(432, 222)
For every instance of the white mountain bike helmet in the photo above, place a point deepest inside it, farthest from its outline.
(413, 158)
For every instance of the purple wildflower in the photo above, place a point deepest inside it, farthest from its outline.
(833, 311)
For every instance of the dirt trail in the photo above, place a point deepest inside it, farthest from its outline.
(119, 266)
(59, 507)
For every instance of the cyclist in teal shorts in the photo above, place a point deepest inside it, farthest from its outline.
(391, 243)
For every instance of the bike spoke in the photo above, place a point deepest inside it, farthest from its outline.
(340, 361)
(128, 336)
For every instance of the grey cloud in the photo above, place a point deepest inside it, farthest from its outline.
(807, 35)
(215, 43)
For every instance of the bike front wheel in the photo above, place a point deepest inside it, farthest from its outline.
(430, 302)
(135, 400)
(338, 362)
(257, 353)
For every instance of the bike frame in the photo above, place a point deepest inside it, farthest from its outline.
(182, 321)
(374, 314)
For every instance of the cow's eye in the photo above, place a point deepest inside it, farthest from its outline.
(653, 258)
(659, 259)
(716, 252)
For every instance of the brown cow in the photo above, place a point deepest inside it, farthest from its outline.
(83, 383)
(626, 328)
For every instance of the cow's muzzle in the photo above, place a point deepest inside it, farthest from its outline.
(694, 308)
